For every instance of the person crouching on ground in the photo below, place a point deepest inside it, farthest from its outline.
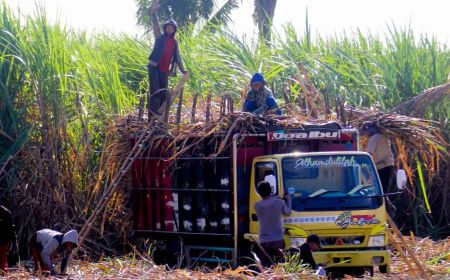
(47, 243)
(7, 236)
(269, 211)
(312, 244)
(259, 99)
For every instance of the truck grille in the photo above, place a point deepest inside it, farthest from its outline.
(341, 240)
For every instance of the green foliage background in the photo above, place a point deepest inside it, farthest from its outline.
(59, 88)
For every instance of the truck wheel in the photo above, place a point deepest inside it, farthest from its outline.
(383, 268)
(245, 253)
(173, 253)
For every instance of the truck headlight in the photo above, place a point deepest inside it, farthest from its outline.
(297, 241)
(376, 241)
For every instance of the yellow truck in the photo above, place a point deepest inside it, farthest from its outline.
(335, 195)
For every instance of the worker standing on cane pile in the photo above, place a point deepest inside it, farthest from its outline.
(162, 62)
(259, 99)
(7, 237)
(46, 244)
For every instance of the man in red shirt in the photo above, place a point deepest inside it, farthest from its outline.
(162, 61)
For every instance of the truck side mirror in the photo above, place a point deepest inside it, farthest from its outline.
(401, 179)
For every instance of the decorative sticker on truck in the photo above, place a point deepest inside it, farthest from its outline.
(310, 220)
(281, 135)
(339, 161)
(346, 219)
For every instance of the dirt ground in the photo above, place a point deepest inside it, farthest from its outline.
(434, 256)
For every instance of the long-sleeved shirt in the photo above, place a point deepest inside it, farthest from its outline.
(51, 242)
(258, 97)
(161, 44)
(269, 212)
(379, 147)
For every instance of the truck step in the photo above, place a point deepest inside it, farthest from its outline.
(212, 260)
(196, 254)
(221, 249)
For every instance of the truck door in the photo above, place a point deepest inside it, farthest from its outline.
(262, 171)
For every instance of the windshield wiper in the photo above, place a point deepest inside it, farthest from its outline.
(320, 192)
(357, 189)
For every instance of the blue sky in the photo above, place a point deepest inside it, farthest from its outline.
(326, 17)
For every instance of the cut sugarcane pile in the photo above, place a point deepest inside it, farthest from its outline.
(434, 255)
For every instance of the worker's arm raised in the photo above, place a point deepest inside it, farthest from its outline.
(155, 20)
(287, 205)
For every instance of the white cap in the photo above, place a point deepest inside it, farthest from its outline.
(71, 236)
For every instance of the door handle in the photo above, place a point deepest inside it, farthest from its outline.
(254, 217)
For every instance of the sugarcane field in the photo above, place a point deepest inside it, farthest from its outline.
(224, 139)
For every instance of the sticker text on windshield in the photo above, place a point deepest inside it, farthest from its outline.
(339, 161)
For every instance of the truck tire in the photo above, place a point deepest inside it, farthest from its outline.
(245, 253)
(383, 268)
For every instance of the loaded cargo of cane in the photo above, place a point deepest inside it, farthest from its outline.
(214, 178)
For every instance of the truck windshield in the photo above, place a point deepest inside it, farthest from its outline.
(332, 182)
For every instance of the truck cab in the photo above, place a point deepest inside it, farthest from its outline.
(336, 195)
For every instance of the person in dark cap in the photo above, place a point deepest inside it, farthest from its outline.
(260, 99)
(379, 147)
(312, 244)
(163, 61)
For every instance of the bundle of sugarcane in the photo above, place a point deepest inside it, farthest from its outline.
(415, 133)
(420, 149)
(410, 134)
(418, 105)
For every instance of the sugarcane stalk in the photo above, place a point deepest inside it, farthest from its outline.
(230, 104)
(208, 107)
(411, 254)
(401, 252)
(312, 88)
(327, 101)
(306, 94)
(172, 95)
(137, 150)
(141, 106)
(194, 107)
(179, 107)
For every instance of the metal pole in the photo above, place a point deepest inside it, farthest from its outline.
(235, 194)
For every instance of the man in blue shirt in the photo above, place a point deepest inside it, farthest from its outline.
(269, 211)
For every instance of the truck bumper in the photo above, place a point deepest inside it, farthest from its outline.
(353, 258)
